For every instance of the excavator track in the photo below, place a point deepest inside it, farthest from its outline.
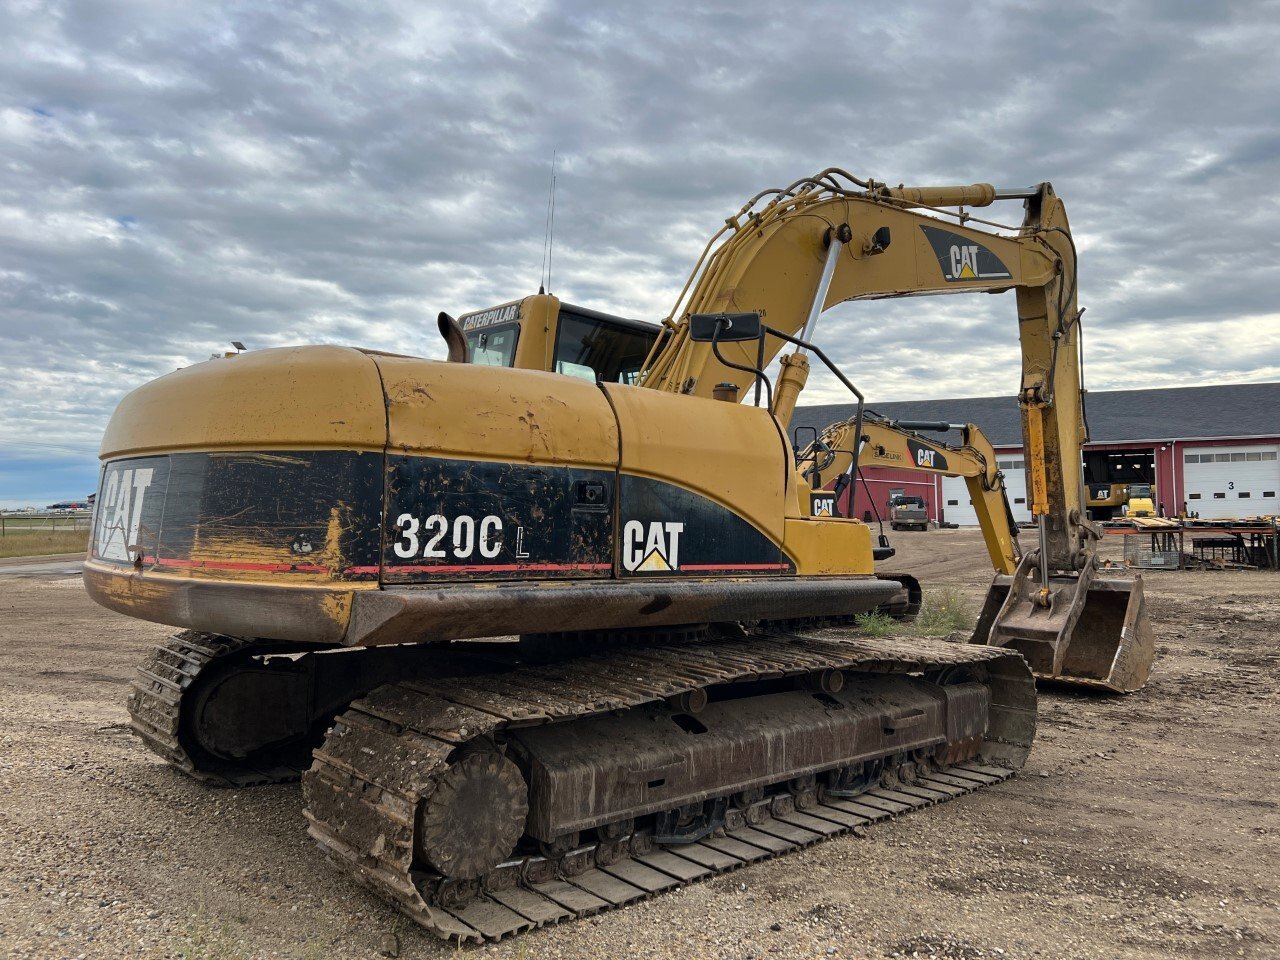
(408, 749)
(231, 712)
(164, 678)
(170, 674)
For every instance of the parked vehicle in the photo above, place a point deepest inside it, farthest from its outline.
(908, 513)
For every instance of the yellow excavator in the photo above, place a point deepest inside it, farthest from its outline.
(1070, 639)
(565, 622)
(903, 445)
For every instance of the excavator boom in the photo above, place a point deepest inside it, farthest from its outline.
(845, 244)
(903, 445)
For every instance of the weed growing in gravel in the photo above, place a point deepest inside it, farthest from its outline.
(944, 612)
(875, 624)
(205, 942)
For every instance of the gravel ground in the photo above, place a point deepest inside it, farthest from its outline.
(1147, 826)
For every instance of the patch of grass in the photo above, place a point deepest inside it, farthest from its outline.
(35, 543)
(944, 612)
(876, 624)
(208, 936)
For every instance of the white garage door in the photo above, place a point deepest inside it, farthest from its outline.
(1230, 482)
(958, 508)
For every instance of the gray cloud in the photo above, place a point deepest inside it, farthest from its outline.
(180, 175)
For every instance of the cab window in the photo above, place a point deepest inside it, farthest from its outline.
(575, 370)
(494, 346)
(597, 349)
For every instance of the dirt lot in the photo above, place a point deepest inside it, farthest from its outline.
(1142, 827)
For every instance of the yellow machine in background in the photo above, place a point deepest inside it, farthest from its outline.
(1115, 499)
(1105, 499)
(901, 445)
(333, 527)
(1142, 500)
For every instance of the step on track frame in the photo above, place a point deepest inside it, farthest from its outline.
(385, 754)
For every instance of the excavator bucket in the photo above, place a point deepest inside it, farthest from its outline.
(1092, 631)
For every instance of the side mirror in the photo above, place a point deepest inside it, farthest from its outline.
(459, 349)
(731, 327)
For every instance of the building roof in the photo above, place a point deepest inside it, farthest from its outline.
(1175, 413)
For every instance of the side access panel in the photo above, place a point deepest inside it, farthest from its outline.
(496, 473)
(703, 487)
(467, 520)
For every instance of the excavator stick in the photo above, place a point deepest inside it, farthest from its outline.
(1088, 631)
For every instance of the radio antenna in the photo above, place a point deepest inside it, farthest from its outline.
(548, 238)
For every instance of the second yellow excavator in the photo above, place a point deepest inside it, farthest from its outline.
(564, 622)
(1068, 635)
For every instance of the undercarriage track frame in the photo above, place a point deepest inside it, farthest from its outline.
(386, 754)
(171, 691)
(173, 672)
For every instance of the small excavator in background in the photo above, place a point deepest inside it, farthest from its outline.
(565, 621)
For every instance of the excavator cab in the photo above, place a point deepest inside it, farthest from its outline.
(540, 332)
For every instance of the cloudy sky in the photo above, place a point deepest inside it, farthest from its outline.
(176, 176)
